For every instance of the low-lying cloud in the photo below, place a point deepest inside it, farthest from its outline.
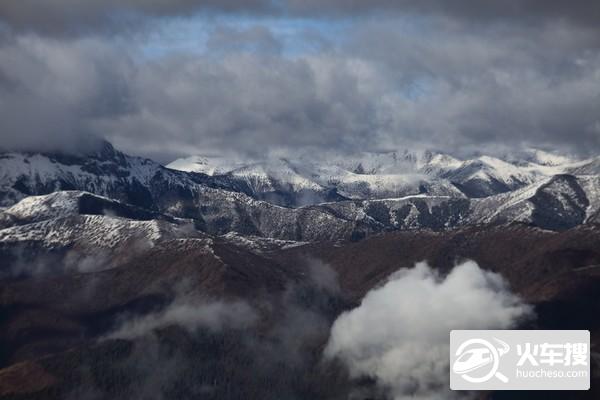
(399, 335)
(214, 316)
(25, 262)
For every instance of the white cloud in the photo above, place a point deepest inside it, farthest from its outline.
(399, 335)
(215, 316)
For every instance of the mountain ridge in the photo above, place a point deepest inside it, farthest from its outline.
(369, 176)
(294, 203)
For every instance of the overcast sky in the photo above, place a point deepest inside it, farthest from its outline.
(164, 78)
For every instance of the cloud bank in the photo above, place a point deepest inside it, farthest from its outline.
(382, 90)
(399, 334)
(76, 17)
(263, 76)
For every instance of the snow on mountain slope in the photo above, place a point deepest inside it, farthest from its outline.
(68, 203)
(105, 172)
(103, 167)
(587, 167)
(209, 165)
(305, 181)
(559, 202)
(108, 173)
(435, 164)
(66, 217)
(276, 180)
(57, 223)
(264, 177)
(225, 212)
(591, 186)
(39, 208)
(91, 230)
(259, 244)
(505, 207)
(81, 243)
(301, 200)
(218, 212)
(505, 172)
(394, 186)
(372, 175)
(556, 203)
(375, 163)
(487, 176)
(546, 158)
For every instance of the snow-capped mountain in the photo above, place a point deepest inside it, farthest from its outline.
(306, 180)
(545, 158)
(209, 165)
(109, 173)
(368, 175)
(294, 200)
(557, 203)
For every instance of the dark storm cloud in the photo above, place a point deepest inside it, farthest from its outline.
(384, 88)
(74, 16)
(581, 11)
(50, 91)
(489, 87)
(258, 39)
(246, 102)
(382, 83)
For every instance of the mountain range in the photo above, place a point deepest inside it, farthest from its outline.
(344, 198)
(210, 278)
(393, 174)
